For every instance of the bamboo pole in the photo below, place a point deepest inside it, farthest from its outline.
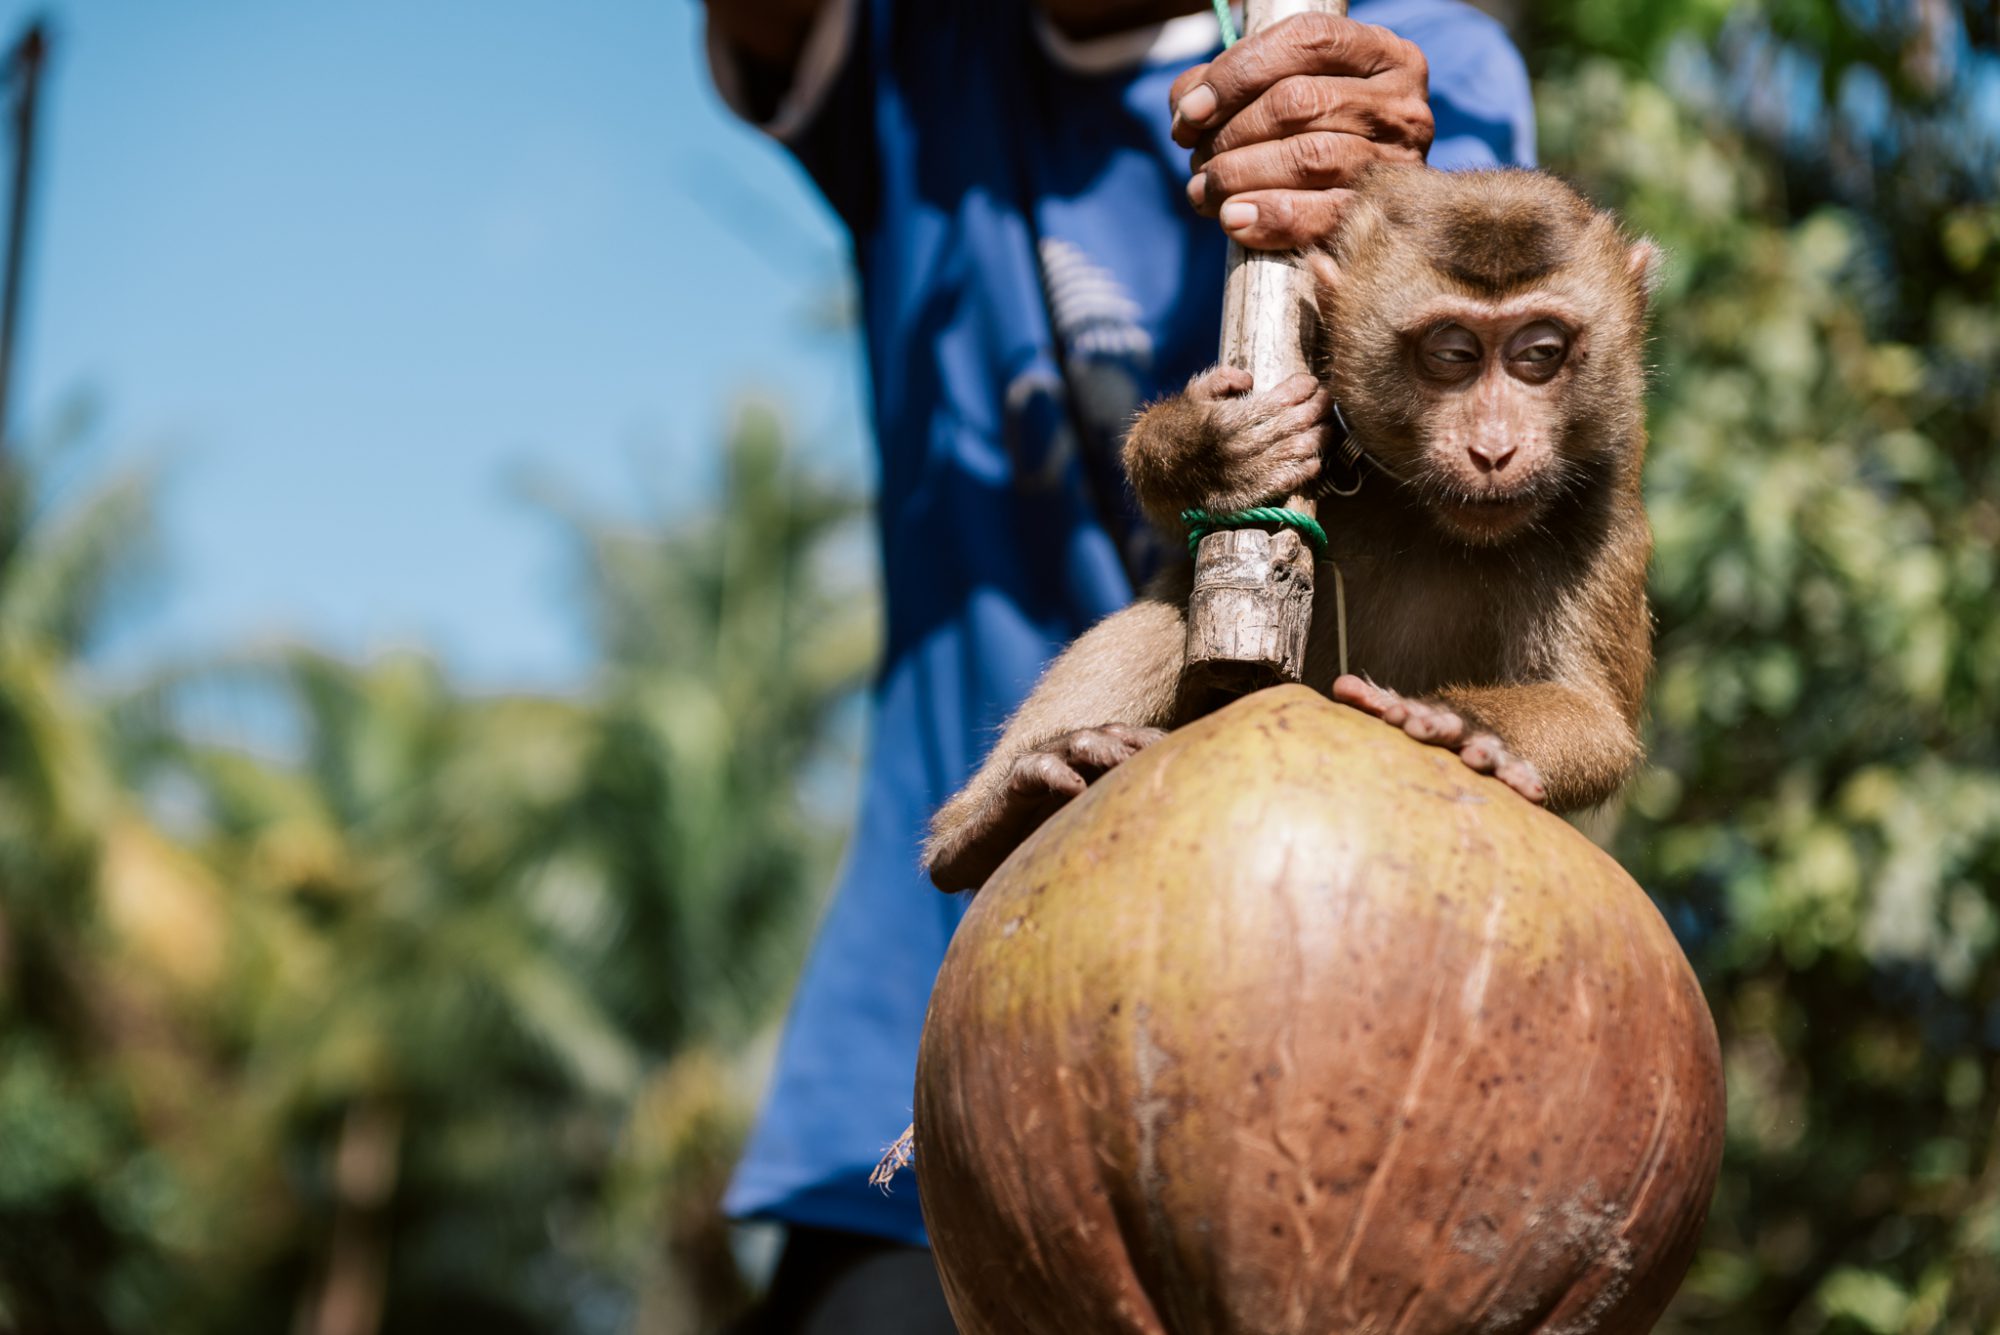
(1251, 608)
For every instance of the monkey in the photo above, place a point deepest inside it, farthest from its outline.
(1482, 334)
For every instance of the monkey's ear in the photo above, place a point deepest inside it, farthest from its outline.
(1643, 261)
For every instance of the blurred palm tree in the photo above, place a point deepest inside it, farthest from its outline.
(731, 649)
(487, 949)
(84, 1204)
(717, 786)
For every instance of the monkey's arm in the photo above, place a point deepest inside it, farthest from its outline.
(1568, 736)
(1579, 727)
(1219, 446)
(1105, 698)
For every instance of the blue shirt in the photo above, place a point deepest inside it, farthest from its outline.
(1030, 274)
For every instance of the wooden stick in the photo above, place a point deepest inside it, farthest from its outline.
(1253, 590)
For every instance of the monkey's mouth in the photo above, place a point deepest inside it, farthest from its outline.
(1490, 515)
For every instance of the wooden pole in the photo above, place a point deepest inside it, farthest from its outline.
(1251, 608)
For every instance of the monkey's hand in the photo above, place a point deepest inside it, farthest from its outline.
(975, 831)
(1437, 724)
(1221, 445)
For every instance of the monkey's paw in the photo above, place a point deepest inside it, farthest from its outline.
(964, 851)
(1429, 721)
(1064, 766)
(1270, 442)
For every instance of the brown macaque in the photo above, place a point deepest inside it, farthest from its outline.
(1484, 339)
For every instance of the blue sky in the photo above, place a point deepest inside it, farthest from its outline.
(342, 270)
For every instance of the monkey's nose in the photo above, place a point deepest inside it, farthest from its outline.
(1490, 455)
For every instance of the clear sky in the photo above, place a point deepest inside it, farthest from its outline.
(344, 269)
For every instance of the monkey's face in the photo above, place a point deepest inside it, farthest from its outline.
(1489, 440)
(1486, 336)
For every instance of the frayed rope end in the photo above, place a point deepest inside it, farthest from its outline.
(895, 1159)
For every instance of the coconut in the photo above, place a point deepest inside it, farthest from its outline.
(1292, 1024)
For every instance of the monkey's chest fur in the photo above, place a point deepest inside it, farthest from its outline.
(1427, 621)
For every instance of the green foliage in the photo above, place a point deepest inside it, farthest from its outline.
(424, 1006)
(419, 1016)
(1822, 812)
(80, 1237)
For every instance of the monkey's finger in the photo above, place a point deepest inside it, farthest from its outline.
(1300, 424)
(1428, 723)
(1483, 752)
(1523, 778)
(1292, 390)
(1293, 437)
(1134, 737)
(1040, 773)
(1388, 111)
(1284, 219)
(1272, 485)
(1321, 44)
(1221, 382)
(1095, 749)
(1361, 693)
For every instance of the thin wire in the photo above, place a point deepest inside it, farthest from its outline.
(1340, 611)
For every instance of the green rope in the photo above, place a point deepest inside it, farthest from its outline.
(1228, 22)
(1201, 523)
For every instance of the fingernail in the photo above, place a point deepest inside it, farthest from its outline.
(1238, 214)
(1198, 105)
(1197, 189)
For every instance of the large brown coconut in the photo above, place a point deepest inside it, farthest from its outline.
(1293, 1025)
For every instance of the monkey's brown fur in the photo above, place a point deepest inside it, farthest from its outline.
(1495, 555)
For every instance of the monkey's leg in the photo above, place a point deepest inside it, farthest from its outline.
(1106, 698)
(1548, 741)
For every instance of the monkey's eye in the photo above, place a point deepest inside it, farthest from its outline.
(1451, 352)
(1537, 352)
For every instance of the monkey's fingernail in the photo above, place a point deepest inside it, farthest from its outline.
(1198, 105)
(1238, 214)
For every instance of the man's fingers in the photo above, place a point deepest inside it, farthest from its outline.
(1284, 219)
(1320, 44)
(1307, 104)
(1316, 161)
(1190, 78)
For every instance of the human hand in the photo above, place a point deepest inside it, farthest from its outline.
(1283, 122)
